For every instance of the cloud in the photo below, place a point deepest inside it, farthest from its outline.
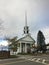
(12, 13)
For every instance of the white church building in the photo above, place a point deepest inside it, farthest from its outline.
(25, 43)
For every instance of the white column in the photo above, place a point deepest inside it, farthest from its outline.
(25, 48)
(20, 48)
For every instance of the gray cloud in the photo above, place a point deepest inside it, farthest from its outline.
(12, 13)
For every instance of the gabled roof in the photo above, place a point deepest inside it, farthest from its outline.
(26, 38)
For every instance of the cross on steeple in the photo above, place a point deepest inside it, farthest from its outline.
(26, 28)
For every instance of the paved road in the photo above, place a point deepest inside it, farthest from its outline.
(41, 58)
(21, 62)
(26, 60)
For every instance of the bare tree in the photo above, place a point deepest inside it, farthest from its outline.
(13, 45)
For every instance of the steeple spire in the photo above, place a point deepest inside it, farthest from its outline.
(25, 18)
(26, 28)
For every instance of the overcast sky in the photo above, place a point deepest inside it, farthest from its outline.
(12, 16)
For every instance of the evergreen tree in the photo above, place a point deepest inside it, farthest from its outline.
(41, 42)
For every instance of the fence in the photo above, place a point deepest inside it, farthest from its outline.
(4, 54)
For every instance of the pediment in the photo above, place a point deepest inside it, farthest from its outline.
(27, 38)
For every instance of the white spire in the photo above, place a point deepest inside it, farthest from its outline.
(25, 18)
(26, 28)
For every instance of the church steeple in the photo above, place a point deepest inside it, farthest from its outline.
(26, 28)
(25, 18)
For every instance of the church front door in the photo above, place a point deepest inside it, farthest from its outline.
(28, 48)
(23, 48)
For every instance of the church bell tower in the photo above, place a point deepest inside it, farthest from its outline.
(26, 28)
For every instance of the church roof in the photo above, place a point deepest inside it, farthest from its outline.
(26, 37)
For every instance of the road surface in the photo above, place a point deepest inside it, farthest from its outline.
(19, 62)
(26, 60)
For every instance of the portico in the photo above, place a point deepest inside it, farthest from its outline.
(25, 44)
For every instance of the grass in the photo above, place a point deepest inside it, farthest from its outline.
(24, 53)
(13, 56)
(34, 54)
(16, 56)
